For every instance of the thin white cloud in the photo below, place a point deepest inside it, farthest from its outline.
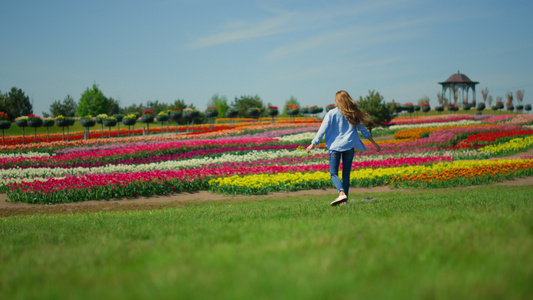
(369, 34)
(283, 22)
(240, 30)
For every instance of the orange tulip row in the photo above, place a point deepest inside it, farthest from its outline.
(464, 176)
(417, 133)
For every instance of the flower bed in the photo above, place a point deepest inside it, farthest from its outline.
(262, 158)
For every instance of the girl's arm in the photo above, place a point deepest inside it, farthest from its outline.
(378, 148)
(367, 135)
(321, 132)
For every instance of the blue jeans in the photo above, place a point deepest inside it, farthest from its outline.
(334, 162)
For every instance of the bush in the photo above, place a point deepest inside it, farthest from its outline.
(272, 111)
(232, 113)
(22, 121)
(211, 112)
(87, 121)
(254, 112)
(34, 121)
(162, 116)
(109, 121)
(130, 120)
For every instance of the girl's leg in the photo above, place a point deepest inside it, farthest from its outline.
(347, 159)
(334, 162)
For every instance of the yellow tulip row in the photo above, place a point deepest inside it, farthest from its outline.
(514, 145)
(265, 183)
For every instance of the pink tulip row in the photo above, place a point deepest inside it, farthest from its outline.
(75, 163)
(138, 148)
(520, 119)
(128, 144)
(498, 118)
(435, 120)
(444, 136)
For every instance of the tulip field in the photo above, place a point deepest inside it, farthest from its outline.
(208, 214)
(259, 158)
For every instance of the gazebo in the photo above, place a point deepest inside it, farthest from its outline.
(458, 82)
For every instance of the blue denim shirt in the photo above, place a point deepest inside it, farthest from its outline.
(340, 134)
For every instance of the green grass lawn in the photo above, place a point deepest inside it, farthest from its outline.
(473, 243)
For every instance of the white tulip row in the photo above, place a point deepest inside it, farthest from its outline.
(298, 137)
(27, 155)
(426, 125)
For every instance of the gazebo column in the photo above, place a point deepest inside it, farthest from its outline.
(474, 96)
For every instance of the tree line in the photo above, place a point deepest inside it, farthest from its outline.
(93, 102)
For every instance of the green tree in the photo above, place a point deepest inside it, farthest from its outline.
(157, 106)
(67, 108)
(221, 103)
(93, 102)
(16, 104)
(178, 103)
(292, 100)
(134, 108)
(113, 107)
(3, 107)
(243, 103)
(374, 105)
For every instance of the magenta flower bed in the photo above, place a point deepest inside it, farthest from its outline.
(143, 153)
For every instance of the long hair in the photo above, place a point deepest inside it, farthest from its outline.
(349, 108)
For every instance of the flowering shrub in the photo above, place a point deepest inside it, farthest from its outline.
(34, 121)
(48, 122)
(4, 116)
(162, 116)
(22, 121)
(292, 109)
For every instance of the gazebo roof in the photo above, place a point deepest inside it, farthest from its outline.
(459, 78)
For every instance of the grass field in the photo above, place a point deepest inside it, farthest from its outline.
(469, 243)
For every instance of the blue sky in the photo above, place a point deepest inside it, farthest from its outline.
(139, 51)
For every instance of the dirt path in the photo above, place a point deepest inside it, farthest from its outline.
(153, 202)
(156, 202)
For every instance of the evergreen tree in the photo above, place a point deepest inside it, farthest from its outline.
(244, 103)
(374, 105)
(16, 104)
(157, 106)
(179, 103)
(113, 107)
(3, 107)
(93, 102)
(66, 109)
